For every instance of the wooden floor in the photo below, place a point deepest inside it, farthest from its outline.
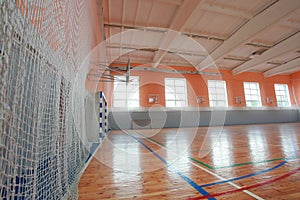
(236, 162)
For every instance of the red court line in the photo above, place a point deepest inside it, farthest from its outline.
(247, 187)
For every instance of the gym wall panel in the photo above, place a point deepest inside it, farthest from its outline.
(206, 117)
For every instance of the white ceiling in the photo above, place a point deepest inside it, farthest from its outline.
(238, 35)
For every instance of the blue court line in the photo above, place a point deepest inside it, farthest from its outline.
(92, 151)
(245, 176)
(188, 180)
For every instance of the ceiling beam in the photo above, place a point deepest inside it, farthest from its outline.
(177, 2)
(163, 30)
(142, 48)
(182, 16)
(288, 45)
(254, 26)
(287, 67)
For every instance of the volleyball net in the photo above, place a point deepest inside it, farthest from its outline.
(43, 147)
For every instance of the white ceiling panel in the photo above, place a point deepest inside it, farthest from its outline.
(130, 11)
(161, 14)
(174, 60)
(292, 21)
(143, 13)
(268, 37)
(187, 44)
(245, 6)
(286, 57)
(243, 51)
(214, 24)
(117, 53)
(230, 31)
(208, 44)
(264, 67)
(145, 38)
(115, 11)
(227, 64)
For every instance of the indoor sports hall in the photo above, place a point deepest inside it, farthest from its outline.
(149, 99)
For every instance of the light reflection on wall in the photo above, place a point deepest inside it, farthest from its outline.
(259, 150)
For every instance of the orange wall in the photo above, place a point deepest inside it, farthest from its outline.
(235, 86)
(153, 83)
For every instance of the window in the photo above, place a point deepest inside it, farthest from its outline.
(217, 93)
(175, 92)
(126, 94)
(282, 95)
(252, 94)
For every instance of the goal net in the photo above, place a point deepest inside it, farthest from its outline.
(42, 142)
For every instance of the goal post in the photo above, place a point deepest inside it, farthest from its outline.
(103, 115)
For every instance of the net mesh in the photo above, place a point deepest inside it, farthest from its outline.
(42, 150)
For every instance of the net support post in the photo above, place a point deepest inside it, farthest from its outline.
(103, 116)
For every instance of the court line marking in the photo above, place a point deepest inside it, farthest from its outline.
(231, 147)
(201, 163)
(254, 162)
(188, 180)
(250, 186)
(246, 176)
(242, 164)
(228, 166)
(229, 181)
(212, 173)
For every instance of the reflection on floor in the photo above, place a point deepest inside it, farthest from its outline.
(231, 162)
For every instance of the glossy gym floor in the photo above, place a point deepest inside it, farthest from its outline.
(230, 162)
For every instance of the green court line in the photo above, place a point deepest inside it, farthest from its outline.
(201, 163)
(228, 166)
(241, 164)
(233, 147)
(249, 163)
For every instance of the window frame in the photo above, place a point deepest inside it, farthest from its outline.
(170, 89)
(252, 94)
(134, 85)
(216, 94)
(287, 94)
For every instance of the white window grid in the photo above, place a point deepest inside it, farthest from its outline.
(126, 94)
(175, 92)
(217, 93)
(282, 95)
(252, 94)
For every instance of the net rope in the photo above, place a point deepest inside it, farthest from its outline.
(41, 147)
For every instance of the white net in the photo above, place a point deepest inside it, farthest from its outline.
(42, 150)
